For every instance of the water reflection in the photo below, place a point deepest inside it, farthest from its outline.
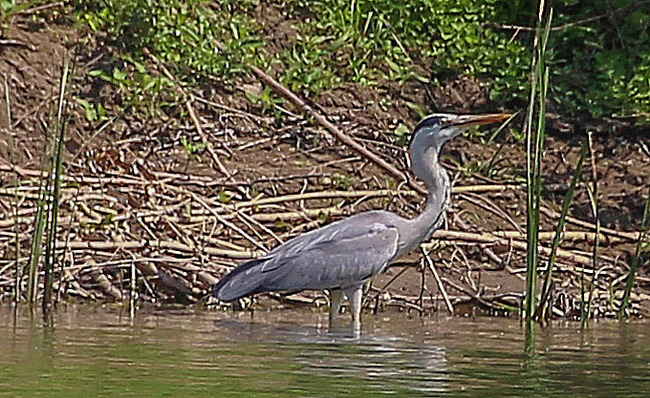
(186, 352)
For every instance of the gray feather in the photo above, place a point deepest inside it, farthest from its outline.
(339, 255)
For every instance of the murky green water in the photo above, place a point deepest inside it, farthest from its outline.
(100, 352)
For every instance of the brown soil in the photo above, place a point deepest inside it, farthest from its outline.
(148, 205)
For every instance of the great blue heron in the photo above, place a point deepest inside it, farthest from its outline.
(345, 254)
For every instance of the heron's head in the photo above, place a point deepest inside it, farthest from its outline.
(436, 129)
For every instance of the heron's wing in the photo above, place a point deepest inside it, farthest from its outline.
(360, 226)
(340, 256)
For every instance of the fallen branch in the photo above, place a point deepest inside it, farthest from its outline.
(520, 245)
(158, 244)
(344, 138)
(630, 236)
(190, 111)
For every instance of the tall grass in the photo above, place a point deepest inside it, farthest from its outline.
(55, 184)
(629, 283)
(48, 203)
(15, 203)
(37, 239)
(535, 136)
(592, 192)
(543, 312)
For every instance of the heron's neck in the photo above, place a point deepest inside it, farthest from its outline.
(434, 176)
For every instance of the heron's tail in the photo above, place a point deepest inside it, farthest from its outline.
(243, 281)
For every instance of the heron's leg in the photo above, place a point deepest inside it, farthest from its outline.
(336, 299)
(355, 295)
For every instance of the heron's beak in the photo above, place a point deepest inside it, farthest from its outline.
(466, 121)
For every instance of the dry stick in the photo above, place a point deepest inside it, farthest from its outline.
(316, 195)
(568, 235)
(354, 194)
(463, 297)
(159, 244)
(491, 207)
(441, 287)
(227, 223)
(487, 238)
(630, 236)
(390, 282)
(84, 179)
(237, 112)
(483, 300)
(41, 8)
(344, 138)
(152, 215)
(190, 110)
(203, 180)
(251, 220)
(336, 210)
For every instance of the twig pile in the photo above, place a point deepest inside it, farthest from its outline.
(147, 219)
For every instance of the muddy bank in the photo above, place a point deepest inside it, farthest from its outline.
(145, 197)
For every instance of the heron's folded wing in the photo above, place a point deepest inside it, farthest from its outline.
(340, 257)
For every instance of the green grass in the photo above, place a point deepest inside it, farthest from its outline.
(200, 41)
(598, 70)
(599, 56)
(46, 220)
(364, 41)
(16, 203)
(334, 42)
(641, 246)
(592, 192)
(535, 137)
(58, 137)
(543, 312)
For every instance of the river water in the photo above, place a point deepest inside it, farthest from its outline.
(102, 352)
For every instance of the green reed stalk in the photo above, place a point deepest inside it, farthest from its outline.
(55, 177)
(37, 239)
(544, 309)
(534, 147)
(585, 308)
(629, 284)
(12, 155)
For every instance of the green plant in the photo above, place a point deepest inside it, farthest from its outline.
(15, 204)
(535, 137)
(9, 8)
(362, 41)
(543, 312)
(94, 112)
(641, 246)
(599, 53)
(136, 85)
(266, 100)
(401, 135)
(600, 62)
(192, 149)
(196, 36)
(197, 39)
(47, 213)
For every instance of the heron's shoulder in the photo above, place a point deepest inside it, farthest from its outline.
(376, 217)
(359, 225)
